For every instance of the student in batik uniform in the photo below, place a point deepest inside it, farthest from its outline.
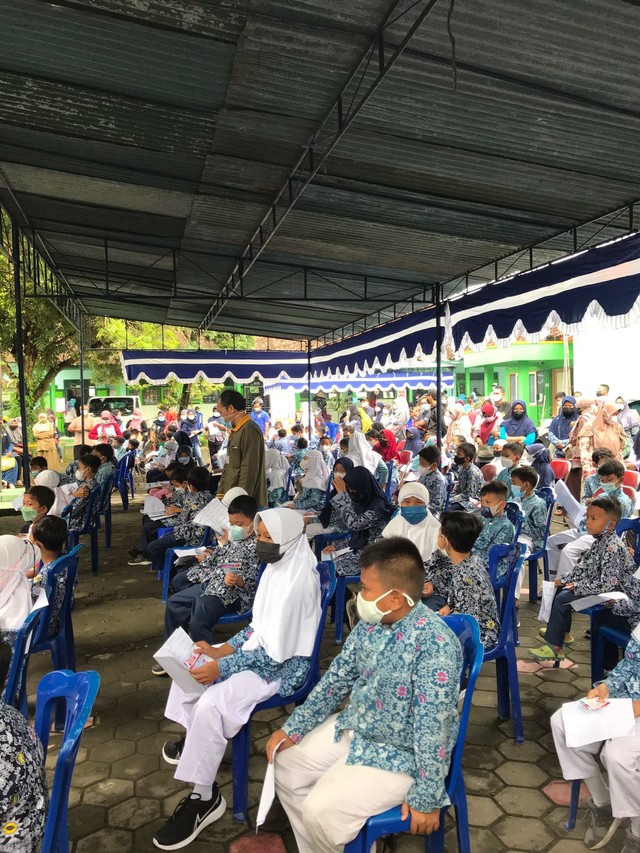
(314, 483)
(523, 485)
(618, 800)
(392, 744)
(467, 582)
(76, 511)
(496, 527)
(50, 535)
(470, 480)
(433, 478)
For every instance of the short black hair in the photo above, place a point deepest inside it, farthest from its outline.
(244, 505)
(610, 505)
(461, 529)
(525, 474)
(601, 453)
(398, 562)
(229, 397)
(468, 450)
(302, 444)
(119, 438)
(84, 449)
(344, 442)
(516, 447)
(90, 461)
(499, 388)
(199, 478)
(495, 487)
(134, 443)
(325, 438)
(559, 396)
(126, 433)
(51, 532)
(282, 433)
(296, 428)
(39, 462)
(104, 450)
(431, 453)
(611, 466)
(176, 473)
(43, 494)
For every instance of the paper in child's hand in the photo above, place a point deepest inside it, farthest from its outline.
(594, 704)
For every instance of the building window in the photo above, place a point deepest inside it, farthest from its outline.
(513, 387)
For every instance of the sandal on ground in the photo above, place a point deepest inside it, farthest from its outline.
(546, 652)
(568, 641)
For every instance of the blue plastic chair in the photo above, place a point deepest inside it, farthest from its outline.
(389, 822)
(388, 486)
(62, 644)
(15, 692)
(78, 692)
(90, 527)
(124, 478)
(104, 508)
(450, 482)
(515, 516)
(504, 652)
(532, 560)
(241, 742)
(604, 634)
(171, 554)
(632, 524)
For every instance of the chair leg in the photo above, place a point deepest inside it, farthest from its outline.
(533, 580)
(514, 690)
(573, 805)
(341, 591)
(107, 530)
(462, 820)
(124, 494)
(94, 551)
(502, 687)
(545, 564)
(71, 646)
(240, 772)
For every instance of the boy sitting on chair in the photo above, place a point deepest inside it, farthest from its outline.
(607, 566)
(620, 799)
(496, 527)
(392, 743)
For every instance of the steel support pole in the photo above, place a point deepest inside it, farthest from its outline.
(438, 289)
(81, 365)
(22, 385)
(309, 383)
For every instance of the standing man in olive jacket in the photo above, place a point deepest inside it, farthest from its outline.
(245, 451)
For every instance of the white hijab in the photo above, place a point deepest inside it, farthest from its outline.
(232, 494)
(286, 609)
(277, 468)
(317, 473)
(361, 453)
(17, 556)
(51, 479)
(424, 535)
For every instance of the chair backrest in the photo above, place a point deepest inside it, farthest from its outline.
(405, 456)
(561, 468)
(387, 488)
(15, 689)
(450, 482)
(489, 472)
(547, 494)
(632, 479)
(68, 563)
(515, 516)
(497, 553)
(505, 586)
(91, 512)
(401, 444)
(466, 629)
(327, 573)
(632, 524)
(550, 499)
(630, 493)
(122, 469)
(106, 487)
(78, 690)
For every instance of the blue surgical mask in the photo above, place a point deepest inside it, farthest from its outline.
(237, 533)
(516, 492)
(414, 514)
(608, 487)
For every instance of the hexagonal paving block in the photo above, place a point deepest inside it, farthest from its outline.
(113, 750)
(264, 843)
(135, 766)
(134, 813)
(522, 833)
(559, 792)
(106, 841)
(137, 729)
(560, 689)
(482, 782)
(89, 772)
(481, 757)
(108, 792)
(482, 811)
(523, 801)
(521, 773)
(527, 751)
(85, 819)
(159, 784)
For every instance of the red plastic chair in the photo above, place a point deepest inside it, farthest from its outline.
(631, 479)
(488, 472)
(628, 491)
(561, 468)
(401, 444)
(405, 456)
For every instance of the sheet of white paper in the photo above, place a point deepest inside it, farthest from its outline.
(268, 790)
(172, 656)
(636, 574)
(546, 602)
(582, 725)
(574, 510)
(341, 552)
(70, 487)
(41, 600)
(16, 503)
(159, 484)
(593, 600)
(213, 515)
(185, 552)
(153, 507)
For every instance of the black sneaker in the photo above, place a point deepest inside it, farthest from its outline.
(191, 816)
(603, 826)
(133, 552)
(172, 750)
(139, 560)
(156, 669)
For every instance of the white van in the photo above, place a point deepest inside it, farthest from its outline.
(125, 405)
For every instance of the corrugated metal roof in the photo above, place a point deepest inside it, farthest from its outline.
(165, 126)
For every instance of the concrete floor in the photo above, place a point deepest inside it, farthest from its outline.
(122, 789)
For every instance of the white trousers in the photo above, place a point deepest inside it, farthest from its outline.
(620, 756)
(562, 561)
(211, 719)
(326, 801)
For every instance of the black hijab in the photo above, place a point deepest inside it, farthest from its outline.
(370, 498)
(325, 515)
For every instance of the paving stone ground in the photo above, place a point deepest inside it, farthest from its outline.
(122, 789)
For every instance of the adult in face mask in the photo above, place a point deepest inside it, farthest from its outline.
(80, 439)
(560, 426)
(245, 451)
(44, 435)
(106, 428)
(184, 458)
(498, 400)
(271, 655)
(330, 518)
(189, 426)
(519, 426)
(414, 521)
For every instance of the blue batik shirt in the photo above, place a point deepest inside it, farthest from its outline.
(403, 681)
(497, 530)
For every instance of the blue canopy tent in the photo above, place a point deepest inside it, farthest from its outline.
(383, 382)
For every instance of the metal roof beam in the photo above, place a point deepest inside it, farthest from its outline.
(371, 70)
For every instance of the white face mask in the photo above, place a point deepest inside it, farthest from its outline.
(506, 462)
(338, 475)
(369, 611)
(80, 476)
